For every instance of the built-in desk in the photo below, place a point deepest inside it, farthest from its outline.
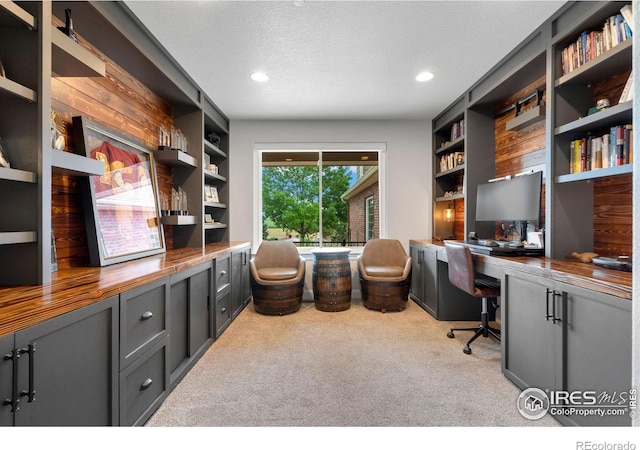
(566, 325)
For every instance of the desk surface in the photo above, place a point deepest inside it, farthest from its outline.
(70, 289)
(588, 276)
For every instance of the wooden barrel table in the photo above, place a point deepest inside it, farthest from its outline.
(331, 279)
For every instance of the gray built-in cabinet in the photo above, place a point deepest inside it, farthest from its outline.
(63, 371)
(114, 362)
(559, 337)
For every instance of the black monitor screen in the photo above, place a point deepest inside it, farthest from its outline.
(516, 199)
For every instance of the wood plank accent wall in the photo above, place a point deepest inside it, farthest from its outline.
(120, 103)
(517, 151)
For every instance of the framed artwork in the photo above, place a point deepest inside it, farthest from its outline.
(122, 212)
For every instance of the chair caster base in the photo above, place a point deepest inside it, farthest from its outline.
(450, 335)
(466, 350)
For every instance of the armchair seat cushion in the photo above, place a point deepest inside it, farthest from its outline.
(384, 271)
(278, 273)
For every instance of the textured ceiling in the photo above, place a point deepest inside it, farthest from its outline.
(338, 59)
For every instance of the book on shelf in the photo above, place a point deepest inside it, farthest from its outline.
(457, 130)
(592, 43)
(627, 92)
(600, 152)
(627, 14)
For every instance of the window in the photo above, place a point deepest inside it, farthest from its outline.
(370, 217)
(317, 197)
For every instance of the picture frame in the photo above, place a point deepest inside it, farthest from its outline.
(122, 210)
(214, 194)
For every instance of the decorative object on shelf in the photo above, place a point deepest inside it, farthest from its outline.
(213, 168)
(585, 257)
(164, 204)
(123, 216)
(178, 202)
(68, 27)
(601, 105)
(54, 253)
(4, 158)
(525, 115)
(164, 139)
(2, 72)
(214, 194)
(57, 132)
(214, 139)
(449, 213)
(208, 218)
(178, 140)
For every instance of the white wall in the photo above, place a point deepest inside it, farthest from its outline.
(408, 167)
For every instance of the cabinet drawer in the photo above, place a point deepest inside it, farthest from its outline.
(223, 273)
(143, 319)
(223, 312)
(144, 385)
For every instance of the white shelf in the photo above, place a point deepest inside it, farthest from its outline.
(66, 163)
(179, 220)
(18, 175)
(8, 86)
(12, 14)
(70, 59)
(17, 237)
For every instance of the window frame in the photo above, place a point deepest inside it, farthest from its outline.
(259, 148)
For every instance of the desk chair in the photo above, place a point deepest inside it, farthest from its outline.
(462, 275)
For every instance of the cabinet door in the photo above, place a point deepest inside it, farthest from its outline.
(246, 281)
(598, 351)
(530, 341)
(236, 284)
(73, 370)
(416, 273)
(178, 326)
(200, 293)
(6, 380)
(429, 277)
(190, 318)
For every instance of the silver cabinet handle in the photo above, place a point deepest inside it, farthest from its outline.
(147, 383)
(146, 316)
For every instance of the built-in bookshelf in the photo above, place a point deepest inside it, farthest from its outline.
(584, 100)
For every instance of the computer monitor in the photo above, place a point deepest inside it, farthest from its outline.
(514, 200)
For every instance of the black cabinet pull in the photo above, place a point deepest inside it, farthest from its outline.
(548, 316)
(31, 393)
(555, 319)
(147, 383)
(14, 401)
(146, 316)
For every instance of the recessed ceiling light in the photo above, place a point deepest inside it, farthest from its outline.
(424, 76)
(259, 76)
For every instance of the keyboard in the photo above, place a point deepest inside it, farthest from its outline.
(478, 248)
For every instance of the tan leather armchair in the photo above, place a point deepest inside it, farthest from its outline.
(385, 275)
(277, 278)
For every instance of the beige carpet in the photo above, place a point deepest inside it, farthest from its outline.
(351, 368)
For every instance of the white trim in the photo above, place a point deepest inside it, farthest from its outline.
(259, 147)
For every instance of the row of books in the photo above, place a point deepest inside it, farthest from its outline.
(592, 43)
(451, 161)
(457, 130)
(600, 152)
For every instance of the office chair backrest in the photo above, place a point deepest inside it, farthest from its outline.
(461, 270)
